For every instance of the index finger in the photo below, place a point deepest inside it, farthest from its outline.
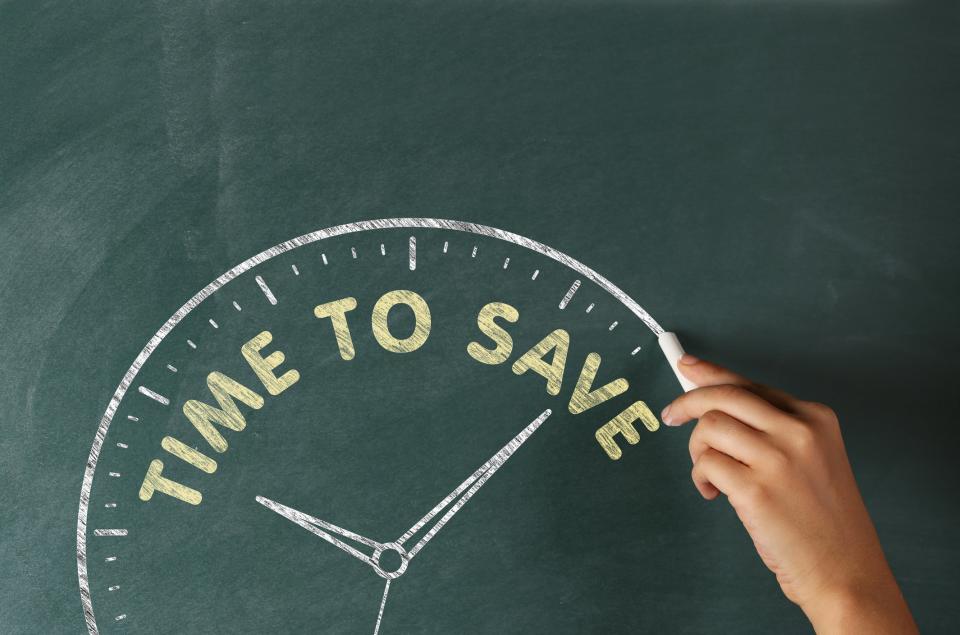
(704, 373)
(736, 401)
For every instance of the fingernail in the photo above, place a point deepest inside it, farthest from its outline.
(665, 416)
(688, 359)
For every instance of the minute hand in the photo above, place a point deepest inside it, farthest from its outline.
(469, 487)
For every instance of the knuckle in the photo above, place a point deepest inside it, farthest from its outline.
(804, 440)
(704, 461)
(778, 460)
(710, 420)
(710, 457)
(822, 412)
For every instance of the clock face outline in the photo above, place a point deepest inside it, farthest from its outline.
(437, 235)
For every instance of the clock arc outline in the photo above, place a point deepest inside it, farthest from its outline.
(263, 256)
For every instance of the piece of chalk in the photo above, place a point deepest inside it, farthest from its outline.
(671, 348)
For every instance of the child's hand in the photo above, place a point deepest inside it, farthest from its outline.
(782, 465)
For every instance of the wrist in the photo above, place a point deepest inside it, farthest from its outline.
(874, 606)
(835, 607)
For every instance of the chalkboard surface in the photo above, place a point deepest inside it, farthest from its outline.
(776, 182)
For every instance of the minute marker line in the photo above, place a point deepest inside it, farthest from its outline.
(569, 295)
(146, 392)
(266, 290)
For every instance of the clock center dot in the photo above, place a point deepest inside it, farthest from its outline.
(390, 560)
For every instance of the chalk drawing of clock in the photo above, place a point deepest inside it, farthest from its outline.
(309, 444)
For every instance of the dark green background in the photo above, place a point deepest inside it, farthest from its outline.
(778, 183)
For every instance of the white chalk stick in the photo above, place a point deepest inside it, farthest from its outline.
(671, 348)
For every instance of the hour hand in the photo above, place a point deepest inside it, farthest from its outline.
(326, 530)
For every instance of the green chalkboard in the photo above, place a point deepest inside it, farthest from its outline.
(343, 316)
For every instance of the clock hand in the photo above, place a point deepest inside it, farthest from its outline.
(317, 527)
(468, 487)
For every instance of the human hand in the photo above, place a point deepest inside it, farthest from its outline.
(781, 463)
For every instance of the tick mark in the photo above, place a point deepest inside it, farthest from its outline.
(569, 295)
(413, 253)
(213, 323)
(266, 290)
(143, 390)
(613, 326)
(236, 306)
(109, 532)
